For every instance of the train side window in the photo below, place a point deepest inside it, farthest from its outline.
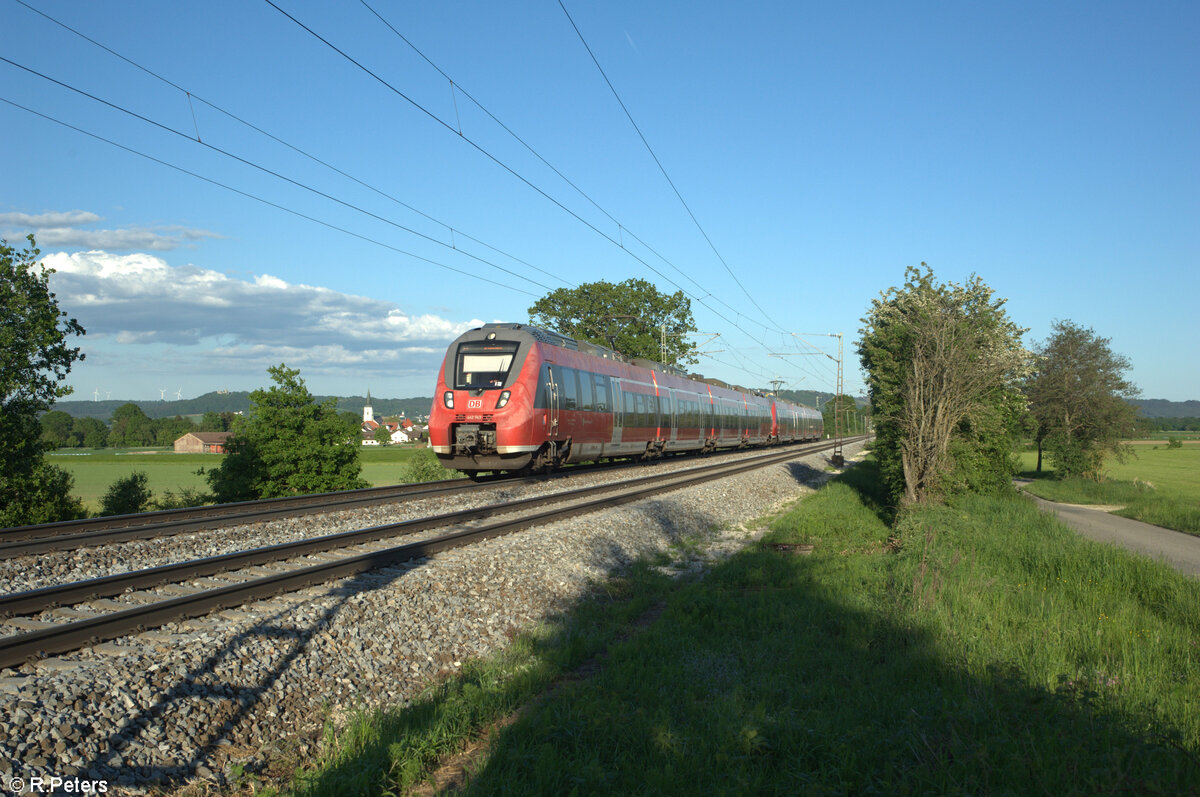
(587, 401)
(569, 389)
(539, 398)
(602, 392)
(630, 408)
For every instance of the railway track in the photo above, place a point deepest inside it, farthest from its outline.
(68, 535)
(72, 534)
(262, 572)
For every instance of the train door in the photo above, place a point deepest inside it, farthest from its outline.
(668, 419)
(618, 414)
(552, 399)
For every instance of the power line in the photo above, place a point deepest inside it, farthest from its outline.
(661, 168)
(620, 226)
(257, 198)
(700, 300)
(271, 172)
(191, 95)
(479, 148)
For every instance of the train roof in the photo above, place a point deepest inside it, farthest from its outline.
(558, 339)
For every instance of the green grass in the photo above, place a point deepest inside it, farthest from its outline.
(382, 465)
(978, 648)
(1156, 485)
(96, 469)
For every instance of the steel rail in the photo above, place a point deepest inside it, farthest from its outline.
(69, 535)
(241, 511)
(28, 646)
(44, 598)
(169, 528)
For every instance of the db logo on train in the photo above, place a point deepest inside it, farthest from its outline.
(474, 404)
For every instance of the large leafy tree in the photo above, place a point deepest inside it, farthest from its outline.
(633, 317)
(35, 358)
(131, 426)
(56, 428)
(287, 445)
(89, 432)
(944, 366)
(1078, 397)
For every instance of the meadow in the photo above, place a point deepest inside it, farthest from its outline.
(1156, 484)
(95, 470)
(980, 647)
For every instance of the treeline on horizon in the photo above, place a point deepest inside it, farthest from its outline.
(236, 401)
(129, 427)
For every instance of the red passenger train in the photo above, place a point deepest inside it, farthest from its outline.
(514, 397)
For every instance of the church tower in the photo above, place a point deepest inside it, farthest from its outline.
(368, 410)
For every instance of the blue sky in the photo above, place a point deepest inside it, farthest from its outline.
(1050, 148)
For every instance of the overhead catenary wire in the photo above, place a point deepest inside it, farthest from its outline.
(661, 168)
(191, 95)
(483, 151)
(262, 200)
(621, 227)
(700, 299)
(271, 172)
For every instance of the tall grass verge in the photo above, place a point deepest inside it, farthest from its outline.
(974, 648)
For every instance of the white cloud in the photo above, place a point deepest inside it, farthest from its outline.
(158, 240)
(141, 299)
(63, 229)
(69, 218)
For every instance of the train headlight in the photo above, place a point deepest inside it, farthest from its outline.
(504, 395)
(448, 399)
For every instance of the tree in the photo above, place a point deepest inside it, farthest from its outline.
(56, 428)
(383, 436)
(89, 432)
(944, 367)
(127, 496)
(287, 445)
(1078, 397)
(629, 317)
(35, 358)
(168, 430)
(130, 427)
(216, 421)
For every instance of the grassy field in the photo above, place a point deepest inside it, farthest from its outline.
(977, 648)
(1157, 485)
(96, 469)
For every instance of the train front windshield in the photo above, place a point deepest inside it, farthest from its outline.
(482, 365)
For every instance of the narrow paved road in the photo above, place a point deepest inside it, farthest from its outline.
(1180, 551)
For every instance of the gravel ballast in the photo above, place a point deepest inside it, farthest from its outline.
(201, 698)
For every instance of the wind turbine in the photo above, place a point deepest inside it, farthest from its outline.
(96, 394)
(179, 394)
(162, 394)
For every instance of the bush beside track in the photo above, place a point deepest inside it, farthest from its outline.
(978, 647)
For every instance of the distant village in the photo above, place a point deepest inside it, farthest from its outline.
(399, 429)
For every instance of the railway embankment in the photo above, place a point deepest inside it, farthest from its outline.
(979, 647)
(248, 692)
